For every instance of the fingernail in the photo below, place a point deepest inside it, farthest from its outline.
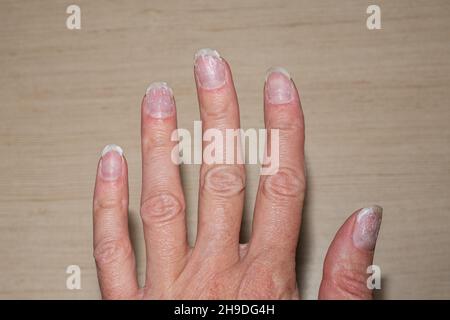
(111, 162)
(209, 69)
(279, 86)
(365, 232)
(159, 100)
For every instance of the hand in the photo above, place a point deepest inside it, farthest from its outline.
(218, 266)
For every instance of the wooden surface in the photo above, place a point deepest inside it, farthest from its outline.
(377, 108)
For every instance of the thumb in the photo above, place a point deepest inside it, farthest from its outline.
(351, 252)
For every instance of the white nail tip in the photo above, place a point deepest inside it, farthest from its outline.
(159, 85)
(112, 147)
(368, 211)
(207, 52)
(277, 70)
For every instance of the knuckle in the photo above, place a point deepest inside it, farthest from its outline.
(112, 251)
(219, 116)
(286, 124)
(218, 107)
(351, 283)
(160, 208)
(286, 183)
(291, 128)
(159, 139)
(109, 204)
(224, 181)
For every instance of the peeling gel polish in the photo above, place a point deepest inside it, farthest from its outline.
(159, 100)
(210, 69)
(366, 227)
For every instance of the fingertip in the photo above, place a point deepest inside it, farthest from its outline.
(366, 227)
(212, 74)
(349, 255)
(282, 105)
(360, 230)
(112, 164)
(158, 102)
(279, 88)
(210, 69)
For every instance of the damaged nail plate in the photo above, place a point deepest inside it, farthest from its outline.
(210, 69)
(279, 87)
(367, 226)
(159, 100)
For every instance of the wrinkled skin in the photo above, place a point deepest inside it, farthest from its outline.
(218, 266)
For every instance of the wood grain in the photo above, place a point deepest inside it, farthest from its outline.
(377, 108)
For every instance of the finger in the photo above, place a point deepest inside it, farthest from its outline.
(114, 256)
(162, 200)
(282, 183)
(222, 178)
(350, 254)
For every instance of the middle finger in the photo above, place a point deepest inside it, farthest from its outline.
(221, 196)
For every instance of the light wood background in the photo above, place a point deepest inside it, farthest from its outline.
(377, 107)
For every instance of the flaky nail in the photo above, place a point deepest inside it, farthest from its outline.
(159, 100)
(366, 227)
(111, 162)
(279, 87)
(209, 69)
